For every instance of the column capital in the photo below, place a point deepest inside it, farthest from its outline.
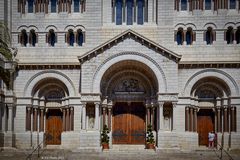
(174, 104)
(84, 104)
(97, 103)
(35, 106)
(41, 108)
(160, 103)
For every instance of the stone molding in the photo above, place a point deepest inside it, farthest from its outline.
(89, 97)
(134, 35)
(127, 55)
(168, 97)
(230, 82)
(49, 74)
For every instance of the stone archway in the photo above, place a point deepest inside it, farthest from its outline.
(211, 110)
(129, 85)
(50, 113)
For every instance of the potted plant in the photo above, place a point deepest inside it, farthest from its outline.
(150, 142)
(105, 137)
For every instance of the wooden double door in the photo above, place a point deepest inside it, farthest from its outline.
(205, 122)
(128, 123)
(53, 127)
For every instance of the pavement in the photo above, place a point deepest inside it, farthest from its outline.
(60, 154)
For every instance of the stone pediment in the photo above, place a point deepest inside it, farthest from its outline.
(135, 36)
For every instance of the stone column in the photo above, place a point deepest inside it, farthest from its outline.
(187, 119)
(218, 120)
(215, 119)
(64, 119)
(161, 115)
(153, 116)
(96, 123)
(174, 104)
(232, 119)
(35, 117)
(104, 115)
(191, 120)
(10, 117)
(110, 105)
(28, 119)
(41, 120)
(195, 119)
(84, 116)
(67, 119)
(148, 114)
(225, 120)
(71, 119)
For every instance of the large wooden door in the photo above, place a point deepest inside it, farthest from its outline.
(205, 122)
(53, 127)
(128, 123)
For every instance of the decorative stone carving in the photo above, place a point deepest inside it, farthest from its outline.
(90, 98)
(129, 85)
(168, 97)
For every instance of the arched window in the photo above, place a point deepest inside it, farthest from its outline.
(140, 5)
(32, 38)
(70, 37)
(53, 6)
(179, 37)
(21, 6)
(209, 36)
(208, 4)
(119, 4)
(30, 6)
(238, 35)
(52, 38)
(189, 36)
(23, 38)
(76, 5)
(232, 4)
(129, 12)
(183, 5)
(229, 35)
(80, 37)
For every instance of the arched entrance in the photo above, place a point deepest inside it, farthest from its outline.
(131, 86)
(51, 113)
(210, 95)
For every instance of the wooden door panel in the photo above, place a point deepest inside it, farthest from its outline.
(120, 124)
(53, 128)
(128, 123)
(137, 128)
(205, 125)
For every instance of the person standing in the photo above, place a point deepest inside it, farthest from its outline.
(211, 138)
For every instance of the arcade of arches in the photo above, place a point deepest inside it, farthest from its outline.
(129, 102)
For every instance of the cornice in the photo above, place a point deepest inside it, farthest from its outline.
(42, 66)
(208, 64)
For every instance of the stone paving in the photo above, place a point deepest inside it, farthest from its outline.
(117, 155)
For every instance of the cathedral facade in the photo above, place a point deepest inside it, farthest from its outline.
(83, 64)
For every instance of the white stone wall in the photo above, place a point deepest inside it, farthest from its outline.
(97, 23)
(99, 28)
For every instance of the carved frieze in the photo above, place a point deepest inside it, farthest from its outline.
(173, 97)
(90, 98)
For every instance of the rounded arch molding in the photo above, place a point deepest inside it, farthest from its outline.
(153, 65)
(34, 80)
(230, 82)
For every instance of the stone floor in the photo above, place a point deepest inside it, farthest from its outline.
(117, 155)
